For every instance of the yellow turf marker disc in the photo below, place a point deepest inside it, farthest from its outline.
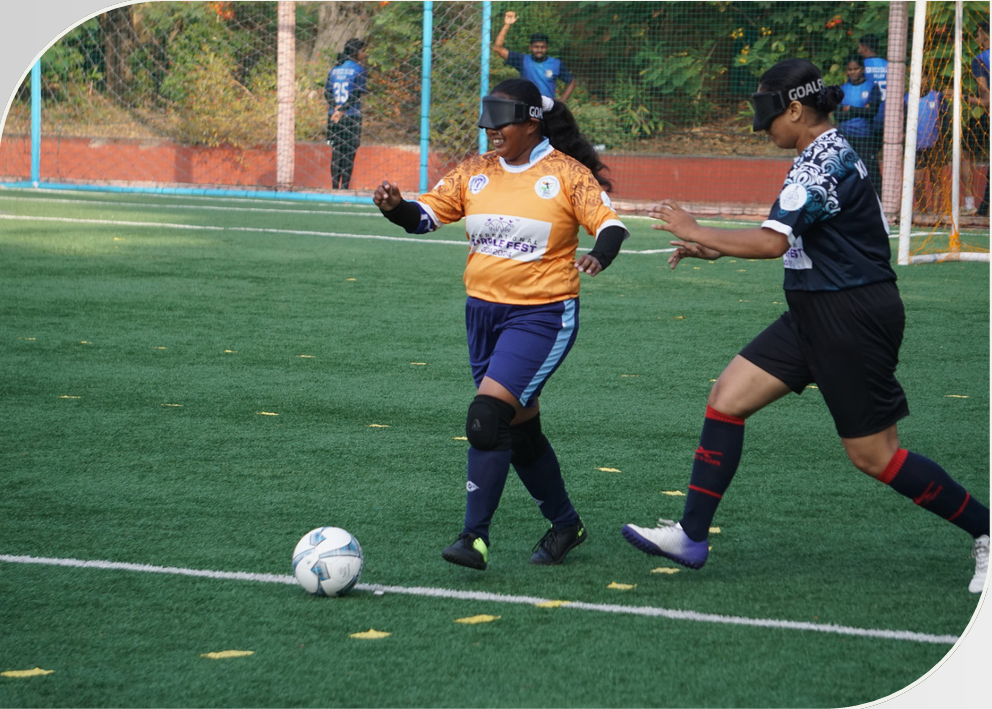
(608, 470)
(664, 570)
(370, 634)
(673, 493)
(476, 619)
(266, 413)
(37, 671)
(378, 425)
(552, 604)
(225, 654)
(622, 586)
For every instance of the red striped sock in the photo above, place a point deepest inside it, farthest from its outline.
(716, 461)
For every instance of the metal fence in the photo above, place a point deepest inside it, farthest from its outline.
(177, 95)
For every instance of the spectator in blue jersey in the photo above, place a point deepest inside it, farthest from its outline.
(856, 114)
(537, 67)
(876, 71)
(931, 145)
(346, 84)
(842, 330)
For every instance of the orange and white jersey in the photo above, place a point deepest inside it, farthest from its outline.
(522, 223)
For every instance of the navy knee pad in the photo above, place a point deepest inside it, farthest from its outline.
(527, 441)
(488, 424)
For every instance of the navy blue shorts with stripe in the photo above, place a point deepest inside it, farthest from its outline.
(519, 346)
(847, 343)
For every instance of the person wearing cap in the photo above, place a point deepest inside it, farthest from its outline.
(842, 330)
(537, 67)
(523, 204)
(346, 84)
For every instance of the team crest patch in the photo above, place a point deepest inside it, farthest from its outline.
(477, 183)
(547, 187)
(793, 197)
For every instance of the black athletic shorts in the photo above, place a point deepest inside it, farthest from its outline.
(847, 343)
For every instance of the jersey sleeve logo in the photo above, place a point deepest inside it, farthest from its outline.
(793, 197)
(477, 183)
(547, 187)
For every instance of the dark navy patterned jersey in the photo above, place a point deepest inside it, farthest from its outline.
(838, 235)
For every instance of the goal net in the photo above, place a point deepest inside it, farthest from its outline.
(947, 195)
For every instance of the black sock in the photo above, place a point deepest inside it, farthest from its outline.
(542, 478)
(929, 486)
(716, 461)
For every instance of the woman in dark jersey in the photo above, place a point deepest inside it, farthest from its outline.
(842, 331)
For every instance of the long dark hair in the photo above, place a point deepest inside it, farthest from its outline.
(558, 126)
(796, 73)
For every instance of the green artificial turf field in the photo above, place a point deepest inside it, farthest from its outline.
(195, 383)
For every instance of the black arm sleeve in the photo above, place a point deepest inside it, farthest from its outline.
(406, 215)
(608, 245)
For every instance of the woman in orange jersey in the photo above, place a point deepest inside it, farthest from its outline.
(523, 204)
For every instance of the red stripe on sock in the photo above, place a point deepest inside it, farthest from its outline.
(964, 504)
(706, 492)
(894, 466)
(712, 413)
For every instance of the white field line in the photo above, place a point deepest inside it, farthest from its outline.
(176, 197)
(213, 207)
(291, 232)
(646, 611)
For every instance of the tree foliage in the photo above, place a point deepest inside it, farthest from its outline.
(204, 72)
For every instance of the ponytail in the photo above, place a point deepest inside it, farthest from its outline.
(829, 98)
(563, 132)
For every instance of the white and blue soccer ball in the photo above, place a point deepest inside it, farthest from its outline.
(328, 561)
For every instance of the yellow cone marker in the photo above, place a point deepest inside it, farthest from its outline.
(225, 654)
(476, 619)
(370, 634)
(36, 672)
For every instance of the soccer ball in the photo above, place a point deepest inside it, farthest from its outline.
(328, 561)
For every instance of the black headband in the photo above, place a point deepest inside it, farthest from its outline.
(498, 112)
(768, 105)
